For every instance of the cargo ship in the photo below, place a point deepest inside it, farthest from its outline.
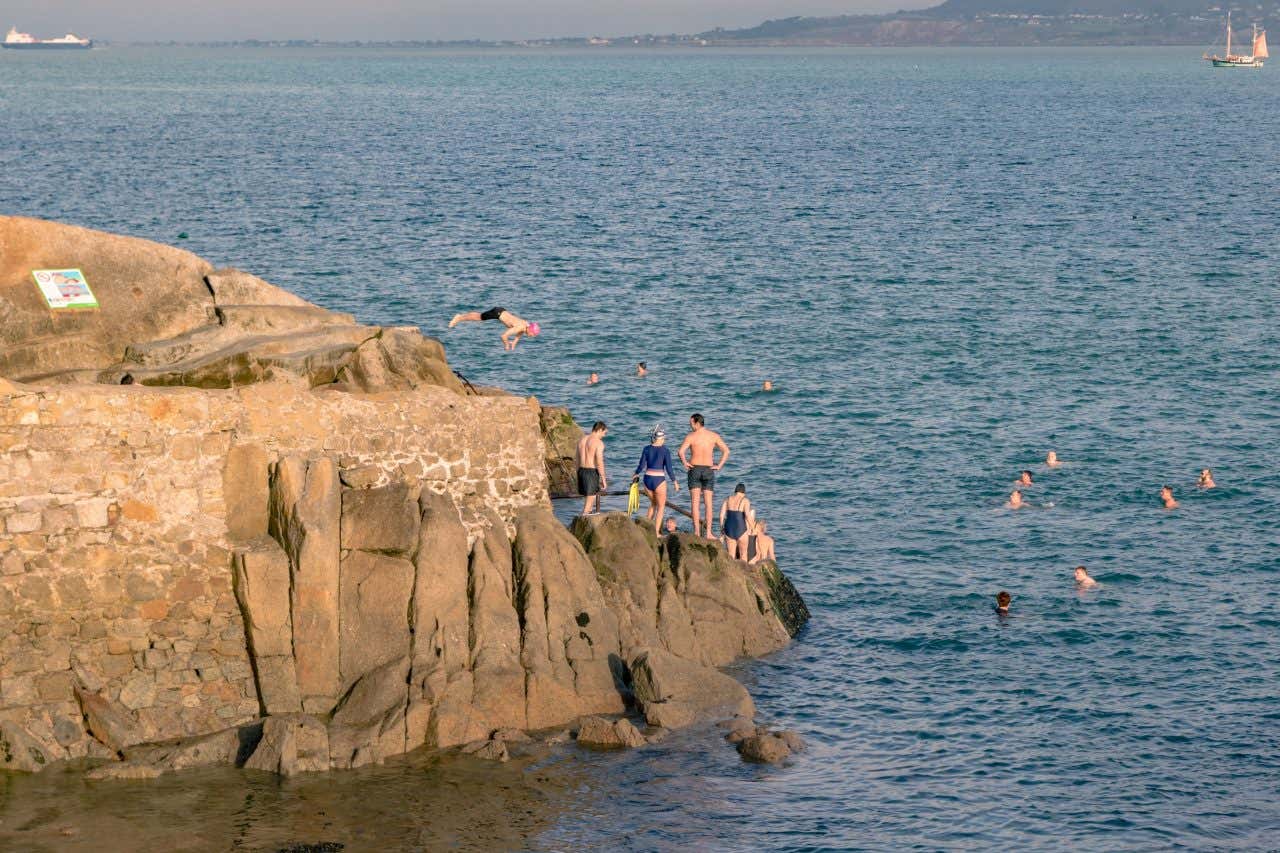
(25, 41)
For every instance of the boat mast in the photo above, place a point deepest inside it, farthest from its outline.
(1228, 56)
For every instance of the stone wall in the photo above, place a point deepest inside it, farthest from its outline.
(121, 507)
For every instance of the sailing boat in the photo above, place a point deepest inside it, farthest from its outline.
(1254, 60)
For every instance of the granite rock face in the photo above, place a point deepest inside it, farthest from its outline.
(314, 573)
(682, 593)
(168, 317)
(147, 292)
(673, 692)
(561, 434)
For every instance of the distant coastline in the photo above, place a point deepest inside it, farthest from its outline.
(954, 23)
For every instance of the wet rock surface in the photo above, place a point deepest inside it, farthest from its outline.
(599, 733)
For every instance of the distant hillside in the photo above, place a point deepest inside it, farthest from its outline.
(1013, 22)
(1114, 8)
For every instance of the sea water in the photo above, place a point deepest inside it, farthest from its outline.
(947, 261)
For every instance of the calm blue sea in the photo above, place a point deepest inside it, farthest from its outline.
(948, 261)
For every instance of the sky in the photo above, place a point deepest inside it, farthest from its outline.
(215, 20)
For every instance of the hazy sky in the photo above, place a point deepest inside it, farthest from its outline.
(146, 20)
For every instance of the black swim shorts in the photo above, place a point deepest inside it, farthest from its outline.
(702, 477)
(492, 314)
(588, 481)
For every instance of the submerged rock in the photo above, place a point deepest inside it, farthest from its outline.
(600, 733)
(765, 748)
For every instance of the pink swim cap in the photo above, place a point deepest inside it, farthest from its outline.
(534, 330)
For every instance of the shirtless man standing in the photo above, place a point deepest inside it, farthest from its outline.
(516, 326)
(591, 478)
(702, 467)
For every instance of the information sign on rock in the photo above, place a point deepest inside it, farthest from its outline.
(64, 289)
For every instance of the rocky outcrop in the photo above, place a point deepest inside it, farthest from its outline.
(673, 692)
(560, 434)
(147, 292)
(321, 572)
(442, 644)
(167, 317)
(762, 744)
(684, 594)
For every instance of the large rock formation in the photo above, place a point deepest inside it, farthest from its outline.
(363, 554)
(168, 317)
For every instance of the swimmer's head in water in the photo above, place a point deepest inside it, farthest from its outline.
(534, 330)
(1003, 600)
(1081, 573)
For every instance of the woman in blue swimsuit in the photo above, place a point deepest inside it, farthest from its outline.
(653, 471)
(736, 518)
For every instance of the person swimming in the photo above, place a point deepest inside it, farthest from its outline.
(736, 518)
(516, 326)
(653, 472)
(1166, 496)
(1206, 479)
(767, 386)
(1052, 460)
(1025, 479)
(1083, 580)
(593, 379)
(642, 369)
(1003, 600)
(1015, 500)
